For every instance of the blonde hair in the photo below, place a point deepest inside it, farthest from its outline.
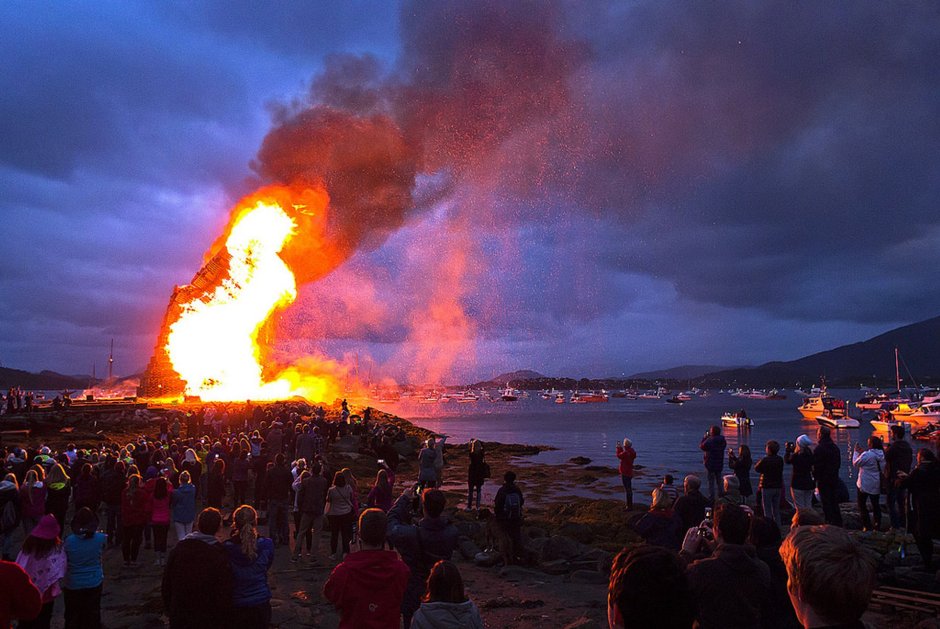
(185, 477)
(32, 477)
(661, 499)
(57, 474)
(11, 478)
(245, 521)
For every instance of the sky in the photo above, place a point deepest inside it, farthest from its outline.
(584, 189)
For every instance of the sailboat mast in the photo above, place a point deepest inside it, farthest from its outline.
(111, 362)
(897, 370)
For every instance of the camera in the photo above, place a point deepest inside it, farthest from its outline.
(790, 445)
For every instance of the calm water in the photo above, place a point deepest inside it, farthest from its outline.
(665, 436)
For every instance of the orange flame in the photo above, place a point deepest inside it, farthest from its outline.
(215, 345)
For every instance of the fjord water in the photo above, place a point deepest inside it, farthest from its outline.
(665, 436)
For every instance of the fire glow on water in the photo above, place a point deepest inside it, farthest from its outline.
(214, 344)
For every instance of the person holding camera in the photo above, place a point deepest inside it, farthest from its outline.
(770, 469)
(802, 485)
(713, 444)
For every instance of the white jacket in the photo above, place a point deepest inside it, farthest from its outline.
(869, 475)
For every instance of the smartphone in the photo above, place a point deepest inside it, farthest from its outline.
(381, 461)
(708, 513)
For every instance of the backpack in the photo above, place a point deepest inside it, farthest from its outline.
(8, 517)
(512, 506)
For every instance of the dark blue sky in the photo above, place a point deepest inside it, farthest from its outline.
(597, 188)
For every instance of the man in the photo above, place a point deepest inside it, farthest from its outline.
(367, 586)
(306, 448)
(310, 501)
(421, 545)
(732, 587)
(713, 445)
(197, 581)
(691, 505)
(508, 512)
(898, 458)
(439, 459)
(278, 483)
(626, 454)
(827, 460)
(649, 588)
(830, 577)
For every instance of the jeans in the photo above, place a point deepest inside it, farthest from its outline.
(130, 542)
(340, 525)
(241, 492)
(770, 502)
(159, 537)
(715, 485)
(829, 497)
(627, 489)
(83, 608)
(309, 526)
(278, 523)
(897, 503)
(875, 500)
(802, 498)
(471, 493)
(182, 529)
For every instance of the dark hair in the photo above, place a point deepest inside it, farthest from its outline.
(650, 588)
(372, 524)
(732, 523)
(445, 584)
(773, 446)
(279, 459)
(668, 479)
(764, 532)
(159, 488)
(875, 443)
(509, 477)
(898, 431)
(209, 521)
(926, 454)
(339, 480)
(218, 466)
(39, 547)
(85, 523)
(434, 502)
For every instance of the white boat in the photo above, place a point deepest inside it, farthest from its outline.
(923, 415)
(559, 398)
(833, 421)
(592, 396)
(509, 394)
(738, 419)
(816, 405)
(884, 425)
(468, 396)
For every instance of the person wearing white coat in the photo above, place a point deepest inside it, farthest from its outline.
(870, 464)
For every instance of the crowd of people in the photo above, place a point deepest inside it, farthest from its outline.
(261, 469)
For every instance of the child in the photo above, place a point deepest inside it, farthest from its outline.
(43, 558)
(672, 493)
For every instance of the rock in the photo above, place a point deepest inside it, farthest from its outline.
(404, 448)
(579, 460)
(468, 549)
(557, 566)
(348, 444)
(533, 532)
(560, 547)
(535, 546)
(468, 528)
(581, 532)
(518, 573)
(486, 560)
(588, 576)
(583, 623)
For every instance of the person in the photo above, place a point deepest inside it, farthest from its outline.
(197, 581)
(215, 484)
(311, 498)
(84, 574)
(183, 500)
(340, 514)
(508, 511)
(44, 560)
(427, 475)
(713, 445)
(9, 514)
(740, 464)
(420, 545)
(158, 508)
(439, 461)
(32, 500)
(923, 483)
(476, 474)
(58, 490)
(802, 485)
(649, 588)
(445, 604)
(660, 526)
(133, 519)
(827, 460)
(240, 468)
(770, 468)
(830, 576)
(732, 567)
(732, 492)
(690, 506)
(806, 517)
(113, 481)
(251, 557)
(764, 536)
(898, 459)
(380, 496)
(278, 481)
(367, 586)
(669, 489)
(870, 464)
(19, 598)
(626, 454)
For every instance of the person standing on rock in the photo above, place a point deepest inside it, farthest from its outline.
(508, 512)
(924, 485)
(713, 444)
(627, 455)
(477, 473)
(439, 461)
(827, 460)
(898, 459)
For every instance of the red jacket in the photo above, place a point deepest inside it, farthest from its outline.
(134, 512)
(367, 588)
(626, 456)
(19, 598)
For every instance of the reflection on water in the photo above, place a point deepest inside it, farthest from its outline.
(665, 436)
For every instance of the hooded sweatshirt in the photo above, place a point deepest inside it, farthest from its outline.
(367, 588)
(440, 615)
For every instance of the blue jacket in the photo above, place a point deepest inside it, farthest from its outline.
(714, 448)
(251, 577)
(184, 503)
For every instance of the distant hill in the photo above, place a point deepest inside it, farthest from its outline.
(44, 380)
(869, 362)
(685, 372)
(512, 377)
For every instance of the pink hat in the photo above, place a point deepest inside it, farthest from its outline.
(48, 528)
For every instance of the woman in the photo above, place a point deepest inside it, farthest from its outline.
(298, 514)
(58, 489)
(740, 464)
(770, 469)
(183, 501)
(251, 557)
(924, 485)
(159, 510)
(87, 492)
(627, 455)
(240, 467)
(445, 604)
(32, 499)
(215, 486)
(380, 496)
(9, 514)
(869, 463)
(802, 485)
(192, 465)
(133, 519)
(427, 475)
(44, 560)
(84, 573)
(660, 526)
(170, 472)
(339, 513)
(476, 474)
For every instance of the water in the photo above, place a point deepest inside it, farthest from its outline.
(665, 436)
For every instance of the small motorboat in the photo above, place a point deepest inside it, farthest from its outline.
(559, 398)
(674, 400)
(837, 421)
(509, 394)
(738, 419)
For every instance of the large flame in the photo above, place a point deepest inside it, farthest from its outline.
(214, 344)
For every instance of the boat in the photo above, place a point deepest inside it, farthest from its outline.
(589, 397)
(738, 419)
(674, 400)
(685, 396)
(468, 396)
(816, 405)
(872, 401)
(559, 398)
(885, 421)
(649, 395)
(829, 418)
(923, 415)
(509, 394)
